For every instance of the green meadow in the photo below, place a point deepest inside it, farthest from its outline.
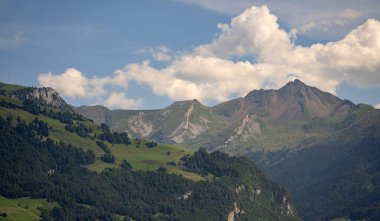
(23, 209)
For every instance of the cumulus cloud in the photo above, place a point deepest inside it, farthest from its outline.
(209, 72)
(73, 83)
(160, 53)
(344, 18)
(377, 106)
(251, 52)
(306, 15)
(120, 100)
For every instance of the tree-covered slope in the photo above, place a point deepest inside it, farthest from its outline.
(94, 173)
(338, 178)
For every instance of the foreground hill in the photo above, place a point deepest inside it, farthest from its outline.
(323, 149)
(74, 169)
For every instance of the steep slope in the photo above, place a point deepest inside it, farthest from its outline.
(182, 122)
(47, 153)
(338, 178)
(43, 96)
(263, 120)
(322, 148)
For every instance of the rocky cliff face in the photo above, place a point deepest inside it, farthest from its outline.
(263, 120)
(45, 95)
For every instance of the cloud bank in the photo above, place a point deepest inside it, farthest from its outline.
(211, 72)
(251, 52)
(72, 83)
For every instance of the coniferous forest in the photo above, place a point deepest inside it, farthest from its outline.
(36, 166)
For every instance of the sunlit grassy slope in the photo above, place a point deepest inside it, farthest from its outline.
(23, 209)
(138, 155)
(143, 158)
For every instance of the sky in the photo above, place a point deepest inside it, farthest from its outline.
(146, 54)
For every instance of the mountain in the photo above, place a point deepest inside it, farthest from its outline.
(264, 120)
(338, 177)
(44, 96)
(183, 122)
(58, 165)
(323, 149)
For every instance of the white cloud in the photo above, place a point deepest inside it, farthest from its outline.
(160, 53)
(307, 14)
(120, 100)
(251, 52)
(377, 106)
(344, 18)
(209, 72)
(73, 83)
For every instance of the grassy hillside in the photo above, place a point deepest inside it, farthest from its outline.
(10, 87)
(23, 209)
(138, 155)
(94, 173)
(58, 131)
(142, 158)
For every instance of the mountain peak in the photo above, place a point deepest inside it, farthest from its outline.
(296, 83)
(45, 95)
(186, 103)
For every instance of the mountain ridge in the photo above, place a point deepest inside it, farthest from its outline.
(244, 121)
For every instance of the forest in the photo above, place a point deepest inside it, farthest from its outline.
(33, 165)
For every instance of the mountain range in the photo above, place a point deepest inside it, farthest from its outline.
(323, 149)
(294, 116)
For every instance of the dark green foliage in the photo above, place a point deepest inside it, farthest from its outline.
(215, 163)
(36, 109)
(124, 164)
(45, 169)
(172, 163)
(36, 127)
(115, 137)
(151, 144)
(162, 170)
(334, 180)
(28, 163)
(108, 158)
(79, 129)
(8, 104)
(103, 146)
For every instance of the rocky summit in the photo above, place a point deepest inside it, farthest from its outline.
(263, 120)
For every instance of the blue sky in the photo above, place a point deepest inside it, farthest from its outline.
(147, 54)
